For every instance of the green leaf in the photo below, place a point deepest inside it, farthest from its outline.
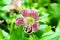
(4, 35)
(45, 2)
(1, 35)
(51, 36)
(38, 33)
(43, 15)
(58, 27)
(33, 37)
(4, 3)
(17, 34)
(54, 10)
(45, 28)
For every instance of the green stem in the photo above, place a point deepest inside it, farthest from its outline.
(11, 27)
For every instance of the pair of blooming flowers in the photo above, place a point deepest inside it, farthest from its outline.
(29, 20)
(29, 17)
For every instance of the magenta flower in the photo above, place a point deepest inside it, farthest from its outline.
(29, 20)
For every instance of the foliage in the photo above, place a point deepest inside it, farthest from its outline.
(49, 20)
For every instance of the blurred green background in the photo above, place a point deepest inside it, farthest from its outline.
(49, 20)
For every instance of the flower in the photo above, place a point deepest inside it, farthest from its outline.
(1, 21)
(29, 20)
(15, 4)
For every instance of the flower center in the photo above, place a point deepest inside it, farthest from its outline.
(29, 20)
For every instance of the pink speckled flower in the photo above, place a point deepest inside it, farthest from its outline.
(15, 4)
(29, 20)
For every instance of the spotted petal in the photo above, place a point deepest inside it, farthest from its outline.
(35, 27)
(19, 21)
(25, 12)
(28, 30)
(34, 14)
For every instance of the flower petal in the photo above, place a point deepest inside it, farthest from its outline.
(19, 21)
(28, 30)
(25, 12)
(34, 14)
(1, 21)
(16, 3)
(35, 27)
(9, 7)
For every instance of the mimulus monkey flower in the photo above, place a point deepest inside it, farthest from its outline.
(29, 20)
